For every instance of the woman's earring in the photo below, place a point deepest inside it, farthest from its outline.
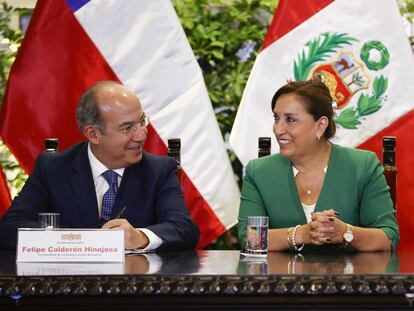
(318, 136)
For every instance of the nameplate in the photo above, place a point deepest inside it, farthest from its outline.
(70, 245)
(69, 268)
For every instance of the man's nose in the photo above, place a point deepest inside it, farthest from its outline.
(139, 133)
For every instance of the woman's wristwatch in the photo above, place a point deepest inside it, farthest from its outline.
(348, 236)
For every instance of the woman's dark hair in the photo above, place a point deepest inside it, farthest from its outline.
(317, 100)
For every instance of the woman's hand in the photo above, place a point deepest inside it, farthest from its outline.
(326, 228)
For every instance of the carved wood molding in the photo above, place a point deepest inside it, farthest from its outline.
(145, 285)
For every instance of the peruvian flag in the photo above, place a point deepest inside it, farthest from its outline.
(360, 51)
(71, 44)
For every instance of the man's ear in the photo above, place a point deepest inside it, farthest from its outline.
(91, 134)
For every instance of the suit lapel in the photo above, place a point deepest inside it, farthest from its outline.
(83, 187)
(129, 188)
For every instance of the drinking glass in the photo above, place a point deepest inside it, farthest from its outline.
(257, 231)
(49, 220)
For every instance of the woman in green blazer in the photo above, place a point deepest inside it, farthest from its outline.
(315, 192)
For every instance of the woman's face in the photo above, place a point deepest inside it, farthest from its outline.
(294, 127)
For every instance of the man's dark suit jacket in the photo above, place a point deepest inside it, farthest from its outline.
(63, 183)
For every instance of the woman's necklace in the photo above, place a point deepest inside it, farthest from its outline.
(308, 188)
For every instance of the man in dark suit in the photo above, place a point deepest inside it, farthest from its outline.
(109, 181)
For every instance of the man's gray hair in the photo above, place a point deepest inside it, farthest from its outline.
(88, 112)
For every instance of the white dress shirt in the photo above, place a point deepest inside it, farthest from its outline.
(101, 186)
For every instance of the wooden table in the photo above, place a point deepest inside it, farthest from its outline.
(206, 280)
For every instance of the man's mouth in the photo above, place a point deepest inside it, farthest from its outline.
(135, 147)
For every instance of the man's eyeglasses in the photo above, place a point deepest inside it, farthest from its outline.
(132, 127)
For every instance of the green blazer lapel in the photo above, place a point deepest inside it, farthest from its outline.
(322, 203)
(294, 193)
(280, 188)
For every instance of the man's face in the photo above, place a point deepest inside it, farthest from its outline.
(122, 142)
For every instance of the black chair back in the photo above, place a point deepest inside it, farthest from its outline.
(51, 144)
(265, 144)
(388, 162)
(174, 151)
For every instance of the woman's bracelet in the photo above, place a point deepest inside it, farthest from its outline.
(292, 239)
(289, 239)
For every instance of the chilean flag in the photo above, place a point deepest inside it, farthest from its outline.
(71, 44)
(5, 198)
(360, 51)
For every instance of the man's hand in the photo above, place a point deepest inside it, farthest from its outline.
(133, 238)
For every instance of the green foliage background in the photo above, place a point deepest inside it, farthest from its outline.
(407, 11)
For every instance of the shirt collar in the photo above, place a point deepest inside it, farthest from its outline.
(98, 167)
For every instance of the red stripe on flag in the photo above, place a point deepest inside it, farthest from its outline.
(402, 129)
(290, 14)
(209, 224)
(5, 198)
(56, 63)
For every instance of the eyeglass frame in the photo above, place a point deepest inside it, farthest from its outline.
(131, 127)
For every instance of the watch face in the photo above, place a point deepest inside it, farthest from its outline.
(348, 236)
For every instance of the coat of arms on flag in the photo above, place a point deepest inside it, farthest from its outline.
(348, 74)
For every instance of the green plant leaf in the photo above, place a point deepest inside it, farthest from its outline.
(218, 54)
